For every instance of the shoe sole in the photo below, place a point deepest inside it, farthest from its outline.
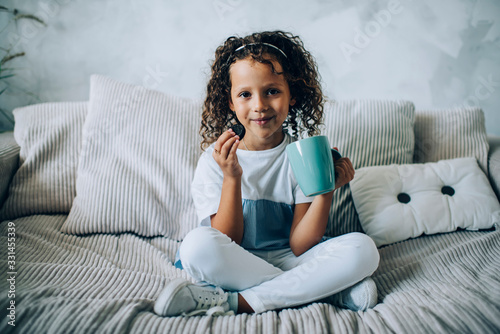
(164, 300)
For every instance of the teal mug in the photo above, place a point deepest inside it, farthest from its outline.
(312, 164)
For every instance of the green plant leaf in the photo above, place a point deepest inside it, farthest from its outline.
(7, 116)
(30, 17)
(8, 57)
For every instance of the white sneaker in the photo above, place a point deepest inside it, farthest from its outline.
(181, 297)
(359, 297)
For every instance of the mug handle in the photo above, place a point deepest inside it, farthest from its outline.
(336, 155)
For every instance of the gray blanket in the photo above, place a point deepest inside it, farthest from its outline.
(446, 283)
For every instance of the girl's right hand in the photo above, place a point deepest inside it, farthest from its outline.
(225, 154)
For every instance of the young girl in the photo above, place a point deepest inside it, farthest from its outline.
(260, 246)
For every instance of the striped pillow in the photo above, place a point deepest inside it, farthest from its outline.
(451, 133)
(49, 137)
(9, 161)
(370, 133)
(139, 152)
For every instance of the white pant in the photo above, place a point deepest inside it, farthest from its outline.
(276, 279)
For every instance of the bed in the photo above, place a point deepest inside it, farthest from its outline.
(95, 203)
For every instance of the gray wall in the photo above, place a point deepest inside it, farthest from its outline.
(437, 54)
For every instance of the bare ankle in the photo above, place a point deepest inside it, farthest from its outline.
(243, 306)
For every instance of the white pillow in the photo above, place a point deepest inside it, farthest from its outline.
(49, 135)
(139, 152)
(370, 133)
(399, 202)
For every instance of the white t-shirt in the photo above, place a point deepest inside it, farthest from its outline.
(269, 192)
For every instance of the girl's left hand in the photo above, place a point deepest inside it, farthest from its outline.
(344, 171)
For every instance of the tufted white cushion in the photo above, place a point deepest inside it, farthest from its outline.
(398, 202)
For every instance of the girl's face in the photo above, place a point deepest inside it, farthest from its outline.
(261, 100)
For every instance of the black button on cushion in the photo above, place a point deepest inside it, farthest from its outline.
(404, 198)
(447, 190)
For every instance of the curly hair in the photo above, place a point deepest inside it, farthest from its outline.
(300, 71)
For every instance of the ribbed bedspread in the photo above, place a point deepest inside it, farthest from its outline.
(447, 283)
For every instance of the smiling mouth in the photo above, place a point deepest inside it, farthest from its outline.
(263, 120)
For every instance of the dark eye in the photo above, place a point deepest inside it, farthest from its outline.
(273, 91)
(244, 94)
